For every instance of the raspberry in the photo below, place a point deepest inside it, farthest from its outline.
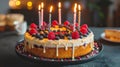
(76, 25)
(84, 26)
(51, 35)
(71, 27)
(33, 25)
(75, 35)
(83, 30)
(44, 24)
(54, 23)
(66, 23)
(33, 31)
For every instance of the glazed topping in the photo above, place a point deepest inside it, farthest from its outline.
(56, 32)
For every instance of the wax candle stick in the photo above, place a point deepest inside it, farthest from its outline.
(79, 14)
(50, 14)
(39, 15)
(42, 6)
(59, 12)
(74, 20)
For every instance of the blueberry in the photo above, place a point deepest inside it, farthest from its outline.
(69, 38)
(58, 30)
(81, 37)
(57, 38)
(85, 35)
(40, 37)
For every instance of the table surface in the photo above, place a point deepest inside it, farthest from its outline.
(110, 56)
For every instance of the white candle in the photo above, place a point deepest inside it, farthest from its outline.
(74, 20)
(42, 6)
(59, 12)
(50, 15)
(39, 8)
(79, 14)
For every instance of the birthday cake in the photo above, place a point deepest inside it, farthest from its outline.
(59, 41)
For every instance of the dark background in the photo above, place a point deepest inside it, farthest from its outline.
(98, 13)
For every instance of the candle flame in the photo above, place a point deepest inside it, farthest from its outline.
(39, 7)
(59, 4)
(75, 7)
(42, 5)
(79, 7)
(51, 8)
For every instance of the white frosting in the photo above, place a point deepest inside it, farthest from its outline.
(61, 42)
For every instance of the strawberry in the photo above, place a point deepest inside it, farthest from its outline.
(66, 23)
(33, 25)
(51, 35)
(33, 31)
(54, 23)
(75, 35)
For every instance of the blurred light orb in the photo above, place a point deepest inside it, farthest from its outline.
(18, 3)
(29, 3)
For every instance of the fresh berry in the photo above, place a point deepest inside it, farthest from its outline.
(84, 26)
(33, 25)
(61, 35)
(76, 25)
(69, 38)
(33, 31)
(83, 30)
(71, 27)
(44, 24)
(41, 37)
(57, 38)
(54, 23)
(66, 23)
(75, 35)
(51, 35)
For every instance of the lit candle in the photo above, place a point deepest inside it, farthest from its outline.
(59, 12)
(50, 14)
(42, 6)
(74, 20)
(79, 14)
(39, 8)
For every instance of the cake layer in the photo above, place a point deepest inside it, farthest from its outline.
(61, 43)
(57, 52)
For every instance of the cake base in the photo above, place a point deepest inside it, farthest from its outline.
(94, 54)
(62, 52)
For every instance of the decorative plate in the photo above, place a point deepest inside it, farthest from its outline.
(103, 37)
(68, 61)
